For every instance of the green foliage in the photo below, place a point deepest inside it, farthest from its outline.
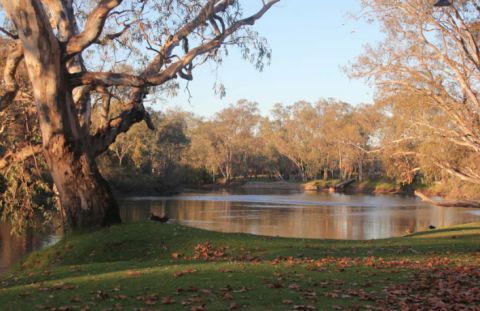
(26, 200)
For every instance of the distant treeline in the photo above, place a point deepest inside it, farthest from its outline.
(304, 141)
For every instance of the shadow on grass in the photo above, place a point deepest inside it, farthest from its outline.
(437, 232)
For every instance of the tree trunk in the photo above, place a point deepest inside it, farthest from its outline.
(304, 174)
(120, 161)
(85, 196)
(360, 171)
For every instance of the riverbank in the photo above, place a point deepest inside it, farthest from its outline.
(152, 266)
(366, 187)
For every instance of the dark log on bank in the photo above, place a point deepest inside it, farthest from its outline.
(455, 203)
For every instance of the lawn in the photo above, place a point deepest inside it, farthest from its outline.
(152, 266)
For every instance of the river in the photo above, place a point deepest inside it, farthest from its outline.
(274, 213)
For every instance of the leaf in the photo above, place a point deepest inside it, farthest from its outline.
(303, 308)
(227, 296)
(241, 290)
(134, 273)
(294, 286)
(167, 300)
(274, 285)
(181, 273)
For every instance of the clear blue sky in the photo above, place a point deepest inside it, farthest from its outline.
(311, 40)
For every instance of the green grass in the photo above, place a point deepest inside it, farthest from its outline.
(321, 184)
(378, 186)
(151, 266)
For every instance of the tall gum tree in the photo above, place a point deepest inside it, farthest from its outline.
(168, 39)
(427, 69)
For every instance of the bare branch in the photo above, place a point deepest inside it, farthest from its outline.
(9, 91)
(458, 173)
(208, 10)
(106, 79)
(121, 124)
(19, 156)
(93, 27)
(171, 71)
(8, 33)
(110, 37)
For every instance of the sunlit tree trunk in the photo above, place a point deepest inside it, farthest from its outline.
(85, 196)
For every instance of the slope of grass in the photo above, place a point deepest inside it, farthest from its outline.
(320, 184)
(151, 266)
(377, 186)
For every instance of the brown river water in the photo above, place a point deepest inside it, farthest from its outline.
(272, 213)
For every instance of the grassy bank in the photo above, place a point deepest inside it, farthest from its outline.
(371, 186)
(377, 186)
(320, 184)
(153, 266)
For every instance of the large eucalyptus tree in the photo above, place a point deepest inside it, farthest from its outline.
(427, 72)
(162, 40)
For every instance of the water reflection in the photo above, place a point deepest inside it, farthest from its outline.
(304, 215)
(13, 247)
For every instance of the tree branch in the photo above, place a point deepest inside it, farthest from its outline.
(459, 174)
(107, 79)
(9, 91)
(19, 156)
(121, 124)
(93, 28)
(207, 11)
(171, 71)
(8, 33)
(112, 36)
(151, 77)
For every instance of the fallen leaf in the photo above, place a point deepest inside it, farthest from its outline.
(294, 286)
(134, 273)
(167, 300)
(180, 273)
